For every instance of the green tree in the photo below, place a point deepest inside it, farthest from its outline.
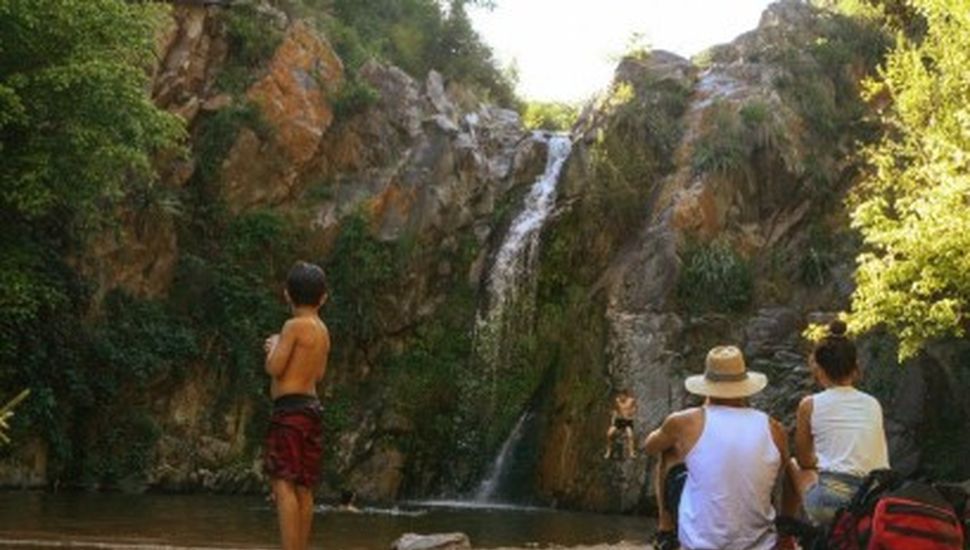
(416, 35)
(543, 115)
(913, 276)
(75, 122)
(78, 133)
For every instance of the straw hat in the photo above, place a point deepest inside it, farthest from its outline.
(725, 376)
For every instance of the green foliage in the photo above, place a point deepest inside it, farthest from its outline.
(821, 81)
(6, 412)
(714, 278)
(818, 258)
(552, 116)
(416, 35)
(913, 211)
(425, 380)
(120, 452)
(354, 97)
(76, 70)
(252, 36)
(358, 267)
(78, 133)
(762, 128)
(217, 133)
(231, 288)
(721, 149)
(144, 340)
(644, 130)
(731, 136)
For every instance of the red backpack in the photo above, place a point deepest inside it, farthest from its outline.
(889, 514)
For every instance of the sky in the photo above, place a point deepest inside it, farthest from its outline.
(566, 50)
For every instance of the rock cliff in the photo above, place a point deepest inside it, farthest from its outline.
(741, 238)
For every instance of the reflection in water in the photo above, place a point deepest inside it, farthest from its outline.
(250, 522)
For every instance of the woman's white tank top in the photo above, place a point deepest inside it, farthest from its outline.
(848, 431)
(731, 473)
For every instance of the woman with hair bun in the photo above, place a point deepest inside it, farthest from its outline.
(839, 436)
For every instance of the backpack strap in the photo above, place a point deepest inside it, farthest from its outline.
(874, 485)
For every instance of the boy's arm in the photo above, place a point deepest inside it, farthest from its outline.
(662, 438)
(279, 356)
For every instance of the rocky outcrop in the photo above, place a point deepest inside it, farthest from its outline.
(741, 179)
(293, 99)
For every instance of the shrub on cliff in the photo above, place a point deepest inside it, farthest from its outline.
(714, 278)
(552, 116)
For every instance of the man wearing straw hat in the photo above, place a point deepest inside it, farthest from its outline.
(733, 456)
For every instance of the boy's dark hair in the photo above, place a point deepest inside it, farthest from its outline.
(347, 497)
(306, 284)
(836, 353)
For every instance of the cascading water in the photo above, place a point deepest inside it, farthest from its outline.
(488, 488)
(511, 280)
(511, 295)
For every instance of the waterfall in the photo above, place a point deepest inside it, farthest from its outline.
(511, 280)
(511, 298)
(488, 488)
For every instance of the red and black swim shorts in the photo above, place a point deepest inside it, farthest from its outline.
(294, 442)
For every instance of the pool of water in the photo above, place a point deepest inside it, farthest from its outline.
(120, 521)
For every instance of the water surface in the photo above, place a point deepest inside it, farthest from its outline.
(250, 522)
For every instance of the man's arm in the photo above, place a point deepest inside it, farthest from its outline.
(664, 437)
(789, 500)
(279, 356)
(804, 444)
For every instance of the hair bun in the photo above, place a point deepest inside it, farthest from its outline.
(837, 328)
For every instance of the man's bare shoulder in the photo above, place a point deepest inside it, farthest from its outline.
(685, 417)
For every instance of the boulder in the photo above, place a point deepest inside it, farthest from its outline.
(447, 541)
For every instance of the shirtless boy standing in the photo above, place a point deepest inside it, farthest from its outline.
(296, 360)
(622, 422)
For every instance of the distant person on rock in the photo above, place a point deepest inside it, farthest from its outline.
(621, 422)
(839, 436)
(296, 360)
(348, 502)
(728, 458)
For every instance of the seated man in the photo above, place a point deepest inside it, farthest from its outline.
(733, 456)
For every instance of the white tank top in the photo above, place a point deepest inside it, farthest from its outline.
(731, 472)
(848, 433)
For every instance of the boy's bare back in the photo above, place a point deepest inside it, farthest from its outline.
(297, 357)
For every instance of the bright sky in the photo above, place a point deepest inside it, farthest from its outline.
(566, 50)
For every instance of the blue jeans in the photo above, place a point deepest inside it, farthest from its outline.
(833, 491)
